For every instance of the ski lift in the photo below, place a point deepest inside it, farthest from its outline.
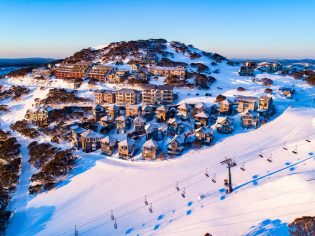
(260, 154)
(145, 201)
(150, 208)
(112, 215)
(284, 147)
(115, 224)
(243, 167)
(206, 173)
(183, 193)
(308, 139)
(295, 150)
(177, 188)
(213, 178)
(269, 158)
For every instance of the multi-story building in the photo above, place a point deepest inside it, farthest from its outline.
(104, 97)
(168, 71)
(127, 97)
(157, 94)
(99, 72)
(246, 103)
(39, 116)
(71, 71)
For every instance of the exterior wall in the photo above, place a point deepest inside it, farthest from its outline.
(149, 153)
(246, 105)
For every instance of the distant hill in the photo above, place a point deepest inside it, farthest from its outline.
(19, 62)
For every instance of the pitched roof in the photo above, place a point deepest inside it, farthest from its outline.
(205, 130)
(184, 106)
(151, 143)
(126, 142)
(108, 139)
(199, 105)
(106, 118)
(161, 108)
(139, 119)
(91, 134)
(201, 115)
(150, 128)
(120, 118)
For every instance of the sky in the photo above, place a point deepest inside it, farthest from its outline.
(233, 28)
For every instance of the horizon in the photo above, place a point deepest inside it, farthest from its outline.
(239, 29)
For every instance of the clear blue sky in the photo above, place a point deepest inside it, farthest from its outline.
(234, 28)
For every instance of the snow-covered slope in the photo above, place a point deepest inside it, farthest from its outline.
(267, 195)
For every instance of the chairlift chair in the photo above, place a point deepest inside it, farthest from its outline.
(285, 146)
(145, 201)
(269, 158)
(308, 139)
(243, 167)
(213, 179)
(177, 188)
(183, 193)
(115, 225)
(295, 150)
(206, 173)
(150, 208)
(112, 215)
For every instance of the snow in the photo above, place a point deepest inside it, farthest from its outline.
(267, 196)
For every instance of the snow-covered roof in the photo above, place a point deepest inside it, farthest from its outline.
(226, 102)
(106, 118)
(91, 134)
(121, 118)
(166, 68)
(205, 130)
(161, 108)
(127, 142)
(200, 105)
(108, 139)
(139, 120)
(247, 98)
(178, 138)
(151, 143)
(201, 115)
(150, 128)
(78, 130)
(184, 106)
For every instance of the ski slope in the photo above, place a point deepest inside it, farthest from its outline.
(267, 195)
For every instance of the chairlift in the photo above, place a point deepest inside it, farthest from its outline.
(206, 173)
(112, 215)
(308, 139)
(260, 154)
(269, 158)
(295, 150)
(115, 224)
(213, 178)
(177, 188)
(145, 201)
(243, 167)
(285, 146)
(150, 208)
(183, 193)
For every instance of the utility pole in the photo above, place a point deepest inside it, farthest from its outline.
(76, 232)
(229, 164)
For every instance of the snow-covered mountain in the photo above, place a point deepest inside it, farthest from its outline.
(275, 186)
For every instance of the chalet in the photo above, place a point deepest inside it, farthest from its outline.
(287, 92)
(200, 107)
(39, 116)
(224, 124)
(184, 111)
(98, 112)
(204, 135)
(175, 127)
(190, 137)
(139, 124)
(133, 110)
(104, 97)
(107, 122)
(246, 71)
(246, 103)
(99, 72)
(118, 77)
(41, 72)
(265, 106)
(176, 145)
(134, 67)
(113, 111)
(168, 71)
(90, 141)
(122, 123)
(127, 148)
(202, 118)
(270, 67)
(249, 119)
(71, 71)
(150, 150)
(147, 112)
(76, 136)
(157, 94)
(161, 113)
(251, 64)
(225, 106)
(108, 145)
(127, 97)
(152, 131)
